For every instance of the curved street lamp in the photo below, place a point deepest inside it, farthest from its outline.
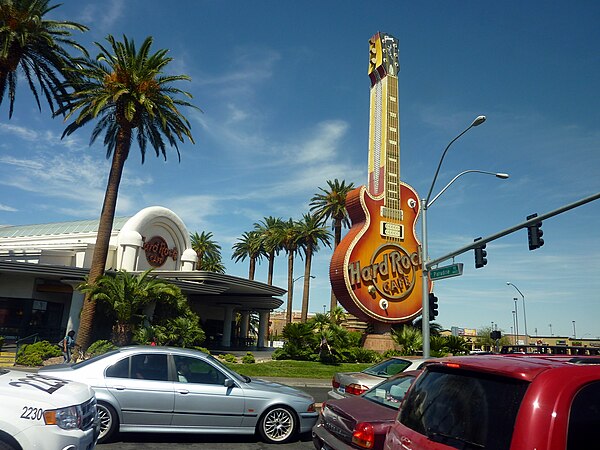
(425, 203)
(508, 283)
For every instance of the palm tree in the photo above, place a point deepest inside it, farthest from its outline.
(289, 233)
(128, 295)
(331, 204)
(310, 235)
(37, 46)
(271, 240)
(409, 339)
(249, 246)
(206, 248)
(126, 89)
(337, 315)
(213, 264)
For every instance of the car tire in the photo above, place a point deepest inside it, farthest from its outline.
(4, 445)
(277, 425)
(109, 421)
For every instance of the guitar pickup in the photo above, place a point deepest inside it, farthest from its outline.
(391, 213)
(391, 230)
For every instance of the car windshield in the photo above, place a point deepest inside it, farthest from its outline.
(388, 367)
(391, 392)
(464, 409)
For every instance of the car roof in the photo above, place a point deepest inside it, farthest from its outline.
(525, 367)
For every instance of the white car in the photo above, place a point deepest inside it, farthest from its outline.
(43, 412)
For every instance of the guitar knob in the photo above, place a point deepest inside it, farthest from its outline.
(383, 304)
(412, 203)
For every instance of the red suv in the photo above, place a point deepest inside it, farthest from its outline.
(501, 402)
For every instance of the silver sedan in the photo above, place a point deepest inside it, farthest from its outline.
(175, 390)
(348, 384)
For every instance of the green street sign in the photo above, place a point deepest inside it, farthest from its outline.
(453, 270)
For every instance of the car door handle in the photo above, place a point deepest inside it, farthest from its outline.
(183, 391)
(119, 387)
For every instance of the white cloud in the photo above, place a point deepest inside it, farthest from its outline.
(7, 208)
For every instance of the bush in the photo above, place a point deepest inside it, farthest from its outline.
(100, 347)
(202, 349)
(228, 357)
(248, 358)
(36, 354)
(363, 355)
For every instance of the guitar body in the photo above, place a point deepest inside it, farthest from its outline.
(379, 277)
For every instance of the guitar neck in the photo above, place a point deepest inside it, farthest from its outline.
(384, 145)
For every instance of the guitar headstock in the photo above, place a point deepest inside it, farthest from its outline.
(383, 56)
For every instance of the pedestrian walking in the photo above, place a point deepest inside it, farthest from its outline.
(67, 345)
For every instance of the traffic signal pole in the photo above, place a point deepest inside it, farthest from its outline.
(531, 222)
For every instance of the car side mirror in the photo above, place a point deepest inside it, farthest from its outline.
(228, 383)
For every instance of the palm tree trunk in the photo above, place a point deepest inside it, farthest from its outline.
(84, 333)
(271, 265)
(337, 228)
(290, 293)
(306, 285)
(252, 268)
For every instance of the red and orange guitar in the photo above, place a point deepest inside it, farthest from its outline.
(375, 271)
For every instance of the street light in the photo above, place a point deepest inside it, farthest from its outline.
(524, 315)
(574, 333)
(425, 203)
(289, 311)
(516, 313)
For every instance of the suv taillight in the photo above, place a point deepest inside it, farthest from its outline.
(364, 435)
(334, 383)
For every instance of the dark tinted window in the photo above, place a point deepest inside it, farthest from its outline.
(119, 369)
(149, 366)
(584, 418)
(459, 407)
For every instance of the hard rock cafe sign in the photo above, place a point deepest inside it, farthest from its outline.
(157, 251)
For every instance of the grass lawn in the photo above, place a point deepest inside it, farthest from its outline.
(295, 369)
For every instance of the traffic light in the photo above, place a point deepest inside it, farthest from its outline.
(495, 335)
(433, 306)
(535, 233)
(480, 255)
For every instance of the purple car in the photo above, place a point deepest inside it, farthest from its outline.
(362, 421)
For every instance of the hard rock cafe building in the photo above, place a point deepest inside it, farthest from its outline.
(41, 265)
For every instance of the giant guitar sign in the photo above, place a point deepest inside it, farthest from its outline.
(375, 271)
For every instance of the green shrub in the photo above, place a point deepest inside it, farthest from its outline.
(100, 347)
(363, 355)
(36, 354)
(248, 358)
(228, 357)
(390, 353)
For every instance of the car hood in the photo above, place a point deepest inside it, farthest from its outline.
(272, 386)
(359, 409)
(50, 390)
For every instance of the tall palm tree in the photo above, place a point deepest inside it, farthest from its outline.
(206, 248)
(249, 246)
(310, 234)
(213, 264)
(331, 204)
(271, 240)
(289, 234)
(126, 90)
(38, 47)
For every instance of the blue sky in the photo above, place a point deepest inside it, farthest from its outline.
(284, 91)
